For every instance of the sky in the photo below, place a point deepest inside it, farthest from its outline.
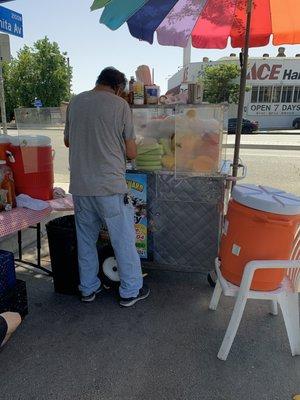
(92, 46)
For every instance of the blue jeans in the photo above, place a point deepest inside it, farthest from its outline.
(90, 213)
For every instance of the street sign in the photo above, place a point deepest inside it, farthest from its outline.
(38, 103)
(11, 22)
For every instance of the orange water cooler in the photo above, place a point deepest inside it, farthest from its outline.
(261, 224)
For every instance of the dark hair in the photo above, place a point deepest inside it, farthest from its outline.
(113, 78)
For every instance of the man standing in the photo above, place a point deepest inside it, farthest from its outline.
(99, 132)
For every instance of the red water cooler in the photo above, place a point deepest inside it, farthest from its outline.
(33, 166)
(4, 146)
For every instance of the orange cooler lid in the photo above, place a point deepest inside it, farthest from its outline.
(267, 199)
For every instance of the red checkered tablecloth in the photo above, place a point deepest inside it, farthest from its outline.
(20, 218)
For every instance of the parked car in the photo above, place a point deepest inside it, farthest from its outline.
(248, 126)
(296, 123)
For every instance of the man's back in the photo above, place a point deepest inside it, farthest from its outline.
(100, 135)
(98, 122)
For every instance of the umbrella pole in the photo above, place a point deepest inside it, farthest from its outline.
(187, 51)
(243, 80)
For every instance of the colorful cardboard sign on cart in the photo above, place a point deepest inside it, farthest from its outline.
(137, 184)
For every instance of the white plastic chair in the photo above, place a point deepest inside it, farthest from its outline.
(286, 296)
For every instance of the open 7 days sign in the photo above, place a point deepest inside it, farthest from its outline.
(11, 22)
(273, 109)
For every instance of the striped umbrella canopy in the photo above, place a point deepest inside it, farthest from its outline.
(209, 23)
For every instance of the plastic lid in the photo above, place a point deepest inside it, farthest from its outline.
(4, 138)
(32, 141)
(267, 199)
(14, 140)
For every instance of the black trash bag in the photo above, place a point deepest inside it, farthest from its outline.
(63, 254)
(64, 258)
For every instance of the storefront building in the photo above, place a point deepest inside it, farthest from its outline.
(273, 98)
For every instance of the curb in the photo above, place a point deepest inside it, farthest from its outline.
(288, 133)
(263, 147)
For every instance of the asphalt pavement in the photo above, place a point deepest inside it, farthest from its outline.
(272, 158)
(161, 349)
(268, 141)
(274, 168)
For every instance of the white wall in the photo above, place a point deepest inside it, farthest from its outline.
(262, 72)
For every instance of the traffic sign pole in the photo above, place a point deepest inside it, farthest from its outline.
(12, 24)
(2, 100)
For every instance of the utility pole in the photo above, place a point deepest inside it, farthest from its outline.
(4, 56)
(244, 65)
(2, 99)
(187, 51)
(69, 77)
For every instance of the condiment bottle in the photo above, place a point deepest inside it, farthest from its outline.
(7, 187)
(131, 83)
(138, 93)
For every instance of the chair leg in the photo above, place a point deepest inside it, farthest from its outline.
(216, 296)
(232, 327)
(274, 307)
(289, 304)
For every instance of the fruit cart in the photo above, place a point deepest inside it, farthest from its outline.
(182, 153)
(179, 183)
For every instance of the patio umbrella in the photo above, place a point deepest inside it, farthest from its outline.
(208, 24)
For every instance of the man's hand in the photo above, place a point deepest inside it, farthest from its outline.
(131, 149)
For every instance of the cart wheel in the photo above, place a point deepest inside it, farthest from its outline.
(108, 267)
